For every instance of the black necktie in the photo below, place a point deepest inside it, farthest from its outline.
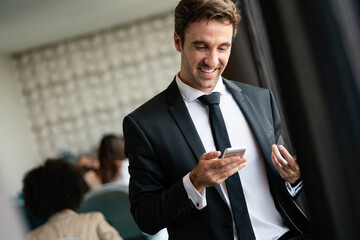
(233, 183)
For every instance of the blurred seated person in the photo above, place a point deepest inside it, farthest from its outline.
(113, 163)
(87, 162)
(54, 191)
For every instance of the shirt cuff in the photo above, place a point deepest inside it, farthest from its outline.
(198, 199)
(293, 191)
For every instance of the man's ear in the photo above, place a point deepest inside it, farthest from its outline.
(177, 42)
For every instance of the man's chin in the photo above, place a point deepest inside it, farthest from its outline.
(209, 81)
(207, 84)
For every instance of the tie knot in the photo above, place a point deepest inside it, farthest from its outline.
(213, 98)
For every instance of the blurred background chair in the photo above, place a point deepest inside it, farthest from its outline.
(112, 201)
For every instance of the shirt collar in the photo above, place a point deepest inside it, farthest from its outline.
(190, 94)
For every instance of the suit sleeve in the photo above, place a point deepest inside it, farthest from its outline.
(155, 203)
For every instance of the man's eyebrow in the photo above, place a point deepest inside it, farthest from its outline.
(198, 42)
(202, 42)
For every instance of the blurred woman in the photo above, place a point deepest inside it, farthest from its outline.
(53, 192)
(113, 163)
(87, 162)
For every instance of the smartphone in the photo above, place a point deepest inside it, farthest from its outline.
(234, 151)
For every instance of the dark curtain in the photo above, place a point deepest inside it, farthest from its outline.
(251, 58)
(315, 47)
(308, 53)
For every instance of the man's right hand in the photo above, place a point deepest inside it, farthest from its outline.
(211, 171)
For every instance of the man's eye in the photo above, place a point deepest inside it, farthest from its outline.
(200, 47)
(223, 49)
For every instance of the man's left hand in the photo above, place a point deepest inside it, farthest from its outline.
(286, 164)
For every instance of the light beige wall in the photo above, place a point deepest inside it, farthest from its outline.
(17, 148)
(12, 225)
(66, 96)
(80, 89)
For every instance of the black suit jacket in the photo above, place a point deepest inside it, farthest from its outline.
(162, 145)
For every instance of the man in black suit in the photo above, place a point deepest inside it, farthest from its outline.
(177, 176)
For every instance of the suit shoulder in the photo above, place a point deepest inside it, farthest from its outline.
(247, 89)
(151, 107)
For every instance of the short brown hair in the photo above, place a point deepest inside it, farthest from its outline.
(189, 11)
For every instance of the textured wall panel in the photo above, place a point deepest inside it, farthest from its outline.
(79, 89)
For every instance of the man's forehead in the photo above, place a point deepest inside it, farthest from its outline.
(206, 21)
(198, 30)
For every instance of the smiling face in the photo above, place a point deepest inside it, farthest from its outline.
(204, 53)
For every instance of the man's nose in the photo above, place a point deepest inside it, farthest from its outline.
(212, 59)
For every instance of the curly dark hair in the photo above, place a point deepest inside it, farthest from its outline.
(52, 187)
(189, 11)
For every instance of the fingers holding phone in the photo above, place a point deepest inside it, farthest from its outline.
(212, 171)
(236, 151)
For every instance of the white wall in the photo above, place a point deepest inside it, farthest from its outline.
(65, 96)
(79, 89)
(11, 224)
(17, 148)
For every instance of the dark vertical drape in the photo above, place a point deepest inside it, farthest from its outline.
(251, 58)
(315, 45)
(308, 53)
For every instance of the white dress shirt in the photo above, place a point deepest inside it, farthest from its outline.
(266, 220)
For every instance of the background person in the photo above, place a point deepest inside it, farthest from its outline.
(113, 164)
(54, 191)
(87, 162)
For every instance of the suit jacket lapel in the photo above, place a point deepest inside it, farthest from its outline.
(253, 119)
(183, 119)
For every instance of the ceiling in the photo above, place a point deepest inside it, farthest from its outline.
(26, 24)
